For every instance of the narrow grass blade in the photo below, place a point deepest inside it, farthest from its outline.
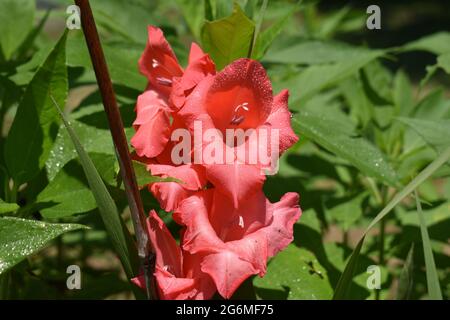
(434, 290)
(344, 282)
(406, 280)
(120, 238)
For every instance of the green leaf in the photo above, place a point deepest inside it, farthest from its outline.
(403, 94)
(406, 279)
(122, 61)
(229, 38)
(193, 12)
(16, 20)
(434, 290)
(144, 177)
(6, 207)
(67, 194)
(434, 132)
(330, 134)
(437, 43)
(431, 217)
(348, 211)
(316, 52)
(344, 282)
(294, 273)
(317, 77)
(35, 124)
(93, 140)
(443, 61)
(266, 37)
(117, 231)
(20, 238)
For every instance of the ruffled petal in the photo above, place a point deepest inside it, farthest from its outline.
(227, 270)
(238, 181)
(280, 119)
(152, 125)
(159, 63)
(168, 253)
(200, 65)
(170, 194)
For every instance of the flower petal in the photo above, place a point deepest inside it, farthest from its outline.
(152, 116)
(280, 119)
(159, 63)
(238, 181)
(227, 270)
(200, 65)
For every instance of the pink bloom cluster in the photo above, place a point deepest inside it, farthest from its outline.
(229, 228)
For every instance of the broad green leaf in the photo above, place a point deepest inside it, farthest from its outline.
(434, 132)
(16, 21)
(361, 109)
(327, 132)
(406, 279)
(294, 273)
(117, 231)
(265, 38)
(443, 61)
(122, 61)
(35, 124)
(347, 212)
(344, 282)
(193, 12)
(317, 77)
(434, 290)
(329, 25)
(20, 238)
(437, 43)
(315, 52)
(378, 82)
(431, 217)
(93, 140)
(67, 194)
(403, 94)
(6, 207)
(229, 38)
(126, 18)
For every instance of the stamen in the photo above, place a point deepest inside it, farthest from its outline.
(243, 106)
(236, 120)
(164, 81)
(241, 222)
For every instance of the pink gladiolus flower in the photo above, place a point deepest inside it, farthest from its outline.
(155, 108)
(230, 229)
(177, 272)
(236, 242)
(239, 97)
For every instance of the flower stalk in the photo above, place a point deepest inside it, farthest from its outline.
(145, 250)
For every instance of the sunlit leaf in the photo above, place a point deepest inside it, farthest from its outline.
(35, 124)
(229, 38)
(294, 273)
(20, 238)
(16, 20)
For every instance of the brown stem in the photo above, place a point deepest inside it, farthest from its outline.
(145, 250)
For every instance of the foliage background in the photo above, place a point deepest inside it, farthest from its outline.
(371, 106)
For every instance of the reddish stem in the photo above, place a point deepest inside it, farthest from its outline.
(145, 250)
